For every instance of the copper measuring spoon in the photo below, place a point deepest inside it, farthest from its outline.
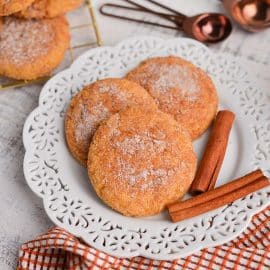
(206, 27)
(253, 15)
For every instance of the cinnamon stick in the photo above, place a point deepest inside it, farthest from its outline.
(216, 193)
(213, 157)
(217, 202)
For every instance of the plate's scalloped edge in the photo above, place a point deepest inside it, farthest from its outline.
(169, 257)
(79, 233)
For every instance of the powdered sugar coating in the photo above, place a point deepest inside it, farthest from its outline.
(145, 179)
(114, 91)
(8, 7)
(174, 81)
(174, 77)
(140, 160)
(140, 142)
(87, 122)
(94, 104)
(23, 41)
(40, 9)
(180, 89)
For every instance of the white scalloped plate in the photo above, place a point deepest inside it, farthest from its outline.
(62, 183)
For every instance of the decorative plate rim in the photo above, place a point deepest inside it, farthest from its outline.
(28, 144)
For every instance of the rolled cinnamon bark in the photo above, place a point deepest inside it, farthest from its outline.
(218, 192)
(212, 160)
(230, 196)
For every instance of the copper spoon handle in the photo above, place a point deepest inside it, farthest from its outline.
(175, 18)
(179, 14)
(180, 17)
(106, 13)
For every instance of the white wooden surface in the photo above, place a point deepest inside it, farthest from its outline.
(21, 213)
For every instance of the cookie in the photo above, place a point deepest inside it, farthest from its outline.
(180, 89)
(141, 160)
(48, 8)
(8, 7)
(30, 49)
(96, 103)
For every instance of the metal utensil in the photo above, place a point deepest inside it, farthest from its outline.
(206, 27)
(253, 15)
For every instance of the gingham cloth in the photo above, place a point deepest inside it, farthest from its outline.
(58, 250)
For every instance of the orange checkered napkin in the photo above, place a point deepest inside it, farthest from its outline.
(59, 250)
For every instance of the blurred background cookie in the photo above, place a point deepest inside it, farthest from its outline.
(180, 89)
(141, 160)
(8, 7)
(48, 8)
(94, 104)
(30, 49)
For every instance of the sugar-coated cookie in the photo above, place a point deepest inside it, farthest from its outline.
(180, 89)
(30, 49)
(141, 160)
(94, 104)
(48, 8)
(8, 7)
